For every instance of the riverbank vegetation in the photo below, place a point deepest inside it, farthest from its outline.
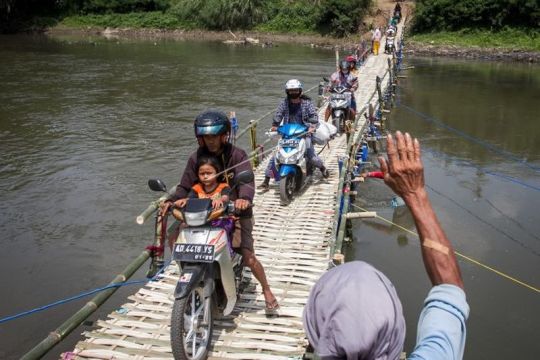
(507, 24)
(504, 39)
(327, 17)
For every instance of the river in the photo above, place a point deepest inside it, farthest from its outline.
(84, 122)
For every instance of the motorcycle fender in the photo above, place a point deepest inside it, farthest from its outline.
(285, 170)
(338, 113)
(191, 275)
(227, 280)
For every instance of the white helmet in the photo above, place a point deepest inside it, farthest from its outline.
(293, 84)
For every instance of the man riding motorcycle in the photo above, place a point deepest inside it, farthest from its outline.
(345, 78)
(212, 131)
(296, 108)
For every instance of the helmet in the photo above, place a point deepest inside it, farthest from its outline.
(344, 66)
(211, 122)
(351, 58)
(293, 84)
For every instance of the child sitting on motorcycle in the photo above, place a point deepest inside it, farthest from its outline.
(211, 184)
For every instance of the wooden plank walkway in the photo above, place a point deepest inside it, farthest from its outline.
(292, 244)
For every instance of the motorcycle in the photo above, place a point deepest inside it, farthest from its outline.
(340, 103)
(389, 46)
(211, 272)
(397, 16)
(290, 160)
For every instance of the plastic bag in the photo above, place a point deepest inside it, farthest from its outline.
(324, 132)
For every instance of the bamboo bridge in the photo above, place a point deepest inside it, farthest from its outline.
(296, 244)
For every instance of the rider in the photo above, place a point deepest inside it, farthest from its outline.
(344, 78)
(376, 40)
(352, 64)
(296, 108)
(397, 12)
(212, 129)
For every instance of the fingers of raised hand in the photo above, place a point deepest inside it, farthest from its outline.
(409, 148)
(401, 146)
(391, 149)
(416, 146)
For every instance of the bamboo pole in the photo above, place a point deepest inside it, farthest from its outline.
(253, 140)
(361, 215)
(76, 319)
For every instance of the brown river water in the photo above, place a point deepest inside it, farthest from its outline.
(84, 122)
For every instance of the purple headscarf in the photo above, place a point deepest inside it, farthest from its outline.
(353, 312)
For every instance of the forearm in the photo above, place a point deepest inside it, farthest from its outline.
(437, 252)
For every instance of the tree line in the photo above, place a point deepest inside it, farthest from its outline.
(453, 15)
(335, 17)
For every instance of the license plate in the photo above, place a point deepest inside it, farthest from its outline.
(193, 253)
(289, 142)
(339, 96)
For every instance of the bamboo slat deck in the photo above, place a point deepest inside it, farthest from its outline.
(292, 244)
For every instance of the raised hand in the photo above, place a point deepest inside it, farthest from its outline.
(403, 171)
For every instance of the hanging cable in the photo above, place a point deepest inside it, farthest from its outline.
(463, 256)
(82, 295)
(478, 141)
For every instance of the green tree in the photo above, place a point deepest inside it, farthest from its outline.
(439, 15)
(342, 17)
(220, 14)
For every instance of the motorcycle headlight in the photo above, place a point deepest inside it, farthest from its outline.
(294, 158)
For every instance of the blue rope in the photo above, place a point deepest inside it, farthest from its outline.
(81, 295)
(472, 138)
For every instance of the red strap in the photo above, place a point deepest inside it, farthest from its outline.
(376, 174)
(155, 250)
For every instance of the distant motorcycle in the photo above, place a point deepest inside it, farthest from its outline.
(389, 46)
(290, 160)
(211, 272)
(397, 16)
(340, 103)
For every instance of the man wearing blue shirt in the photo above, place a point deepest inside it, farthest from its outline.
(353, 311)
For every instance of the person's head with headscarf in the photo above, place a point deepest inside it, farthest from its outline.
(353, 312)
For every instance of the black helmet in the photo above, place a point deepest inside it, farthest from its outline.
(344, 66)
(211, 122)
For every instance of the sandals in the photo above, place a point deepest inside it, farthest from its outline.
(271, 305)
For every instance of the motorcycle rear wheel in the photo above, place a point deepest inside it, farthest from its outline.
(287, 187)
(191, 334)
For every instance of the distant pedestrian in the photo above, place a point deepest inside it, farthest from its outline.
(376, 39)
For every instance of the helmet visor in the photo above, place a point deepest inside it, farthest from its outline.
(210, 130)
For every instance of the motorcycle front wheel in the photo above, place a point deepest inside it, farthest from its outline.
(191, 332)
(286, 189)
(339, 124)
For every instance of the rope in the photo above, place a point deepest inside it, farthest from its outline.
(478, 141)
(463, 256)
(483, 169)
(82, 295)
(487, 172)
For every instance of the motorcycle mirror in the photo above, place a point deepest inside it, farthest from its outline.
(244, 177)
(157, 185)
(325, 78)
